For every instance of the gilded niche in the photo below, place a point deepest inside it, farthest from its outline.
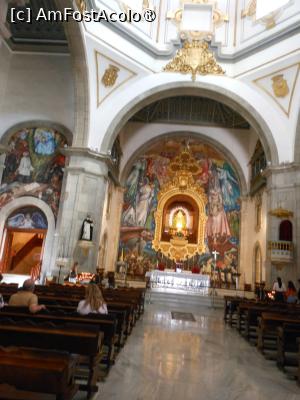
(180, 217)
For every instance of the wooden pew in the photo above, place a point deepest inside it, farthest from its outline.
(85, 341)
(230, 308)
(287, 336)
(268, 324)
(103, 323)
(46, 372)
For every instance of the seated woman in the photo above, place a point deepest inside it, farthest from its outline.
(93, 302)
(291, 293)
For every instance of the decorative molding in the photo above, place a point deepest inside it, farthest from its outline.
(109, 76)
(281, 213)
(269, 20)
(281, 87)
(194, 58)
(219, 17)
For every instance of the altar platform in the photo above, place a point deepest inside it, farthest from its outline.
(187, 288)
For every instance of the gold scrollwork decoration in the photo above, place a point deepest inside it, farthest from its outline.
(281, 213)
(194, 58)
(250, 10)
(269, 20)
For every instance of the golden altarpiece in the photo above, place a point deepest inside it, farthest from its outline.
(180, 217)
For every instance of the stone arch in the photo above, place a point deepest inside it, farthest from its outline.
(49, 253)
(219, 146)
(76, 43)
(222, 89)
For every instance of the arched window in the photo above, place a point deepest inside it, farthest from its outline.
(258, 264)
(286, 231)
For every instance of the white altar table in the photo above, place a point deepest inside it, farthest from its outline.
(179, 280)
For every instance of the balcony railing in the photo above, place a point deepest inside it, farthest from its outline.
(281, 252)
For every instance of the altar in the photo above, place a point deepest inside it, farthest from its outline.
(179, 281)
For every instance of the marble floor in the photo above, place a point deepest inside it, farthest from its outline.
(166, 359)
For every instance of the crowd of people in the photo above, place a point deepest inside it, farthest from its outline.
(280, 292)
(288, 294)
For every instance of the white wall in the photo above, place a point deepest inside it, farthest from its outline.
(35, 87)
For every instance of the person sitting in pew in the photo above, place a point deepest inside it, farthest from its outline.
(279, 289)
(291, 293)
(93, 302)
(26, 298)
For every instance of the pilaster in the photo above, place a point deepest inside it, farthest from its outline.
(84, 191)
(283, 190)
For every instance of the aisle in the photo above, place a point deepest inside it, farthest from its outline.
(166, 359)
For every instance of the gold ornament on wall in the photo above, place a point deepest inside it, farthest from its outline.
(281, 213)
(250, 10)
(280, 86)
(268, 20)
(110, 76)
(194, 58)
(81, 5)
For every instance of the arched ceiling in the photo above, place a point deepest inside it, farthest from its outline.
(192, 110)
(38, 35)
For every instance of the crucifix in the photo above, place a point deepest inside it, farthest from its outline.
(215, 253)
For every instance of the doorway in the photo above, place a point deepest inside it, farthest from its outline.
(23, 241)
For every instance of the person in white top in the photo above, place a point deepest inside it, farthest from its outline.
(279, 289)
(93, 302)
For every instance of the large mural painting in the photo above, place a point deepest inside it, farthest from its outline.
(34, 167)
(216, 176)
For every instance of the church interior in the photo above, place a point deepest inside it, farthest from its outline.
(149, 187)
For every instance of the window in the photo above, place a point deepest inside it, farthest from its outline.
(258, 216)
(258, 163)
(258, 264)
(286, 231)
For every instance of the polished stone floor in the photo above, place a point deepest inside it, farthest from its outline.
(167, 359)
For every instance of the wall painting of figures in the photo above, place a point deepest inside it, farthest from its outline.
(220, 183)
(34, 167)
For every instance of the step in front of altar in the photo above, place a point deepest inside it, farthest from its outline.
(168, 296)
(181, 297)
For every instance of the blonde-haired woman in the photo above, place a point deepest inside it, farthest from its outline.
(93, 302)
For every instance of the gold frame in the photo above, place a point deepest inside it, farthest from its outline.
(183, 184)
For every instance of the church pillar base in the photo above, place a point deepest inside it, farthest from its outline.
(84, 191)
